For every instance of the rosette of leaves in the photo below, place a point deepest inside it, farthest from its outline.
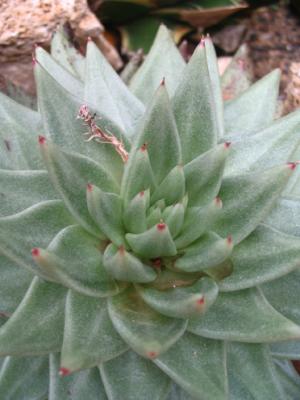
(151, 258)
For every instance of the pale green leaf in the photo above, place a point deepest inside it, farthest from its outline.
(124, 266)
(14, 283)
(289, 379)
(106, 210)
(255, 108)
(130, 376)
(283, 294)
(271, 146)
(182, 302)
(89, 336)
(289, 350)
(146, 331)
(265, 255)
(22, 189)
(203, 175)
(285, 216)
(248, 199)
(70, 173)
(83, 385)
(34, 227)
(19, 127)
(163, 61)
(40, 318)
(24, 378)
(107, 94)
(198, 365)
(196, 114)
(252, 373)
(157, 130)
(66, 267)
(244, 316)
(59, 110)
(60, 74)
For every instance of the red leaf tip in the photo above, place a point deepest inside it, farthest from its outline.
(42, 139)
(161, 226)
(201, 44)
(34, 61)
(152, 354)
(218, 202)
(122, 250)
(292, 165)
(142, 193)
(89, 187)
(229, 240)
(144, 147)
(35, 252)
(200, 301)
(89, 39)
(163, 81)
(227, 145)
(64, 371)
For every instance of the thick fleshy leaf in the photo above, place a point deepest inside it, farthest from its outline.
(130, 376)
(80, 269)
(34, 227)
(14, 283)
(40, 318)
(81, 385)
(155, 242)
(248, 199)
(65, 54)
(19, 127)
(272, 146)
(198, 220)
(63, 77)
(106, 210)
(255, 108)
(89, 336)
(22, 189)
(59, 110)
(203, 175)
(196, 115)
(182, 302)
(163, 61)
(146, 331)
(106, 93)
(134, 216)
(244, 316)
(174, 217)
(24, 378)
(158, 131)
(176, 393)
(283, 294)
(265, 255)
(124, 266)
(289, 350)
(250, 367)
(138, 174)
(198, 365)
(209, 251)
(69, 174)
(238, 76)
(172, 188)
(214, 75)
(285, 215)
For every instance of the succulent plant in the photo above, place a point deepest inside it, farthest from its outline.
(158, 256)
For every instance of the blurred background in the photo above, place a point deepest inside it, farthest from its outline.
(266, 34)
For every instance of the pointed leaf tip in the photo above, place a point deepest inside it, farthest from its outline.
(163, 81)
(218, 202)
(227, 145)
(144, 147)
(89, 187)
(161, 226)
(152, 354)
(64, 372)
(292, 165)
(35, 252)
(200, 301)
(42, 140)
(230, 240)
